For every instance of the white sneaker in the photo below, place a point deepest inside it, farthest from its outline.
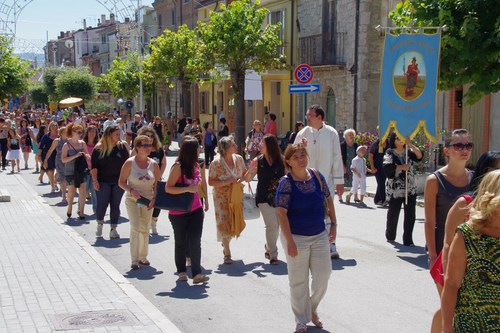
(98, 233)
(333, 251)
(113, 234)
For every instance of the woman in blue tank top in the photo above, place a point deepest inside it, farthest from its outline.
(300, 208)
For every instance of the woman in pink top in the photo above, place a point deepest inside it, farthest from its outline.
(185, 177)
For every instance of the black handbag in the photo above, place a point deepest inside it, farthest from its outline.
(179, 202)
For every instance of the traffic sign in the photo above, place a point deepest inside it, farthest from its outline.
(303, 88)
(303, 73)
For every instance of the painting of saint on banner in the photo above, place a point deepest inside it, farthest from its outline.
(409, 76)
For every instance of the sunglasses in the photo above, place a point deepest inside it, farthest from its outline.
(461, 146)
(79, 132)
(146, 145)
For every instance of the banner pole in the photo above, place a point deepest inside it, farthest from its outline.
(406, 178)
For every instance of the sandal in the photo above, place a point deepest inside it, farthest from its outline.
(274, 261)
(228, 260)
(315, 320)
(301, 328)
(144, 262)
(134, 266)
(200, 278)
(182, 276)
(266, 254)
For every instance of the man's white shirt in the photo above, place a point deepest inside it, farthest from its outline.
(323, 148)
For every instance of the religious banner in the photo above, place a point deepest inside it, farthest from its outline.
(408, 86)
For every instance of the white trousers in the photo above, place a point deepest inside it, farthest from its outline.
(358, 183)
(140, 220)
(314, 257)
(272, 228)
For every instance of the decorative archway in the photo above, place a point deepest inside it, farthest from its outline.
(10, 11)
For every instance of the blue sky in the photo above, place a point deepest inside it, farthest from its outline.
(53, 16)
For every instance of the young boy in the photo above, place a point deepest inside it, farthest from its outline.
(359, 169)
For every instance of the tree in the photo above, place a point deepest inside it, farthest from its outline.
(14, 71)
(470, 44)
(77, 82)
(123, 77)
(50, 74)
(38, 94)
(236, 40)
(173, 57)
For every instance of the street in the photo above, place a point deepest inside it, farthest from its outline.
(375, 286)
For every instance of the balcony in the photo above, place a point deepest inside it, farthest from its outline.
(323, 49)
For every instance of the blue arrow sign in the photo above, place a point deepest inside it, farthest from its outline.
(303, 88)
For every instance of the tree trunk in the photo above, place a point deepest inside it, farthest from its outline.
(238, 80)
(186, 98)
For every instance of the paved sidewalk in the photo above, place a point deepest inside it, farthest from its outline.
(51, 279)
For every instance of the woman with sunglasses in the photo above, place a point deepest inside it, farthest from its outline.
(400, 183)
(138, 178)
(72, 150)
(158, 155)
(443, 187)
(108, 157)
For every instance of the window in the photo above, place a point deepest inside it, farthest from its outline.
(173, 16)
(204, 102)
(279, 17)
(160, 28)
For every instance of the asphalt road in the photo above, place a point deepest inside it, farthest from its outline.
(375, 286)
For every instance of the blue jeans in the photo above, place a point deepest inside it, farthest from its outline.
(109, 194)
(89, 187)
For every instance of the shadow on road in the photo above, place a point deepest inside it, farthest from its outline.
(237, 268)
(280, 269)
(419, 261)
(110, 243)
(143, 273)
(76, 222)
(184, 290)
(340, 264)
(156, 239)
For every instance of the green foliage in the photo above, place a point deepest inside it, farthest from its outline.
(14, 71)
(122, 80)
(174, 56)
(38, 94)
(76, 82)
(98, 106)
(470, 45)
(236, 40)
(50, 74)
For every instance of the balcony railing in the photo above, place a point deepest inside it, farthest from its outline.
(324, 49)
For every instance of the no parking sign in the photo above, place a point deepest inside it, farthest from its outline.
(303, 73)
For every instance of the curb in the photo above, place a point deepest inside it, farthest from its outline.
(149, 309)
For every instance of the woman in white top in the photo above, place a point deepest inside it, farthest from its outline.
(138, 178)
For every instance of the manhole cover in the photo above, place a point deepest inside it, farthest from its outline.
(76, 321)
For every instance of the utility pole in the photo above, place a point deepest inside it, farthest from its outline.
(139, 45)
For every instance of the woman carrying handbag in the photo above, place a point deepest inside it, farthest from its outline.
(185, 177)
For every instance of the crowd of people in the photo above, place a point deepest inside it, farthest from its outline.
(105, 158)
